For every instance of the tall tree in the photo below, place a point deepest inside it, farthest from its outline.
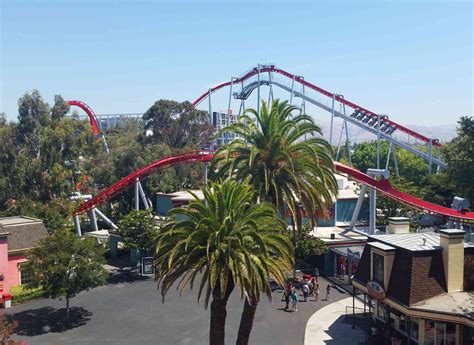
(459, 154)
(228, 241)
(139, 230)
(64, 265)
(33, 114)
(287, 164)
(178, 124)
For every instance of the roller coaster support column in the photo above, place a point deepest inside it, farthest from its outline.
(93, 219)
(292, 88)
(137, 197)
(395, 161)
(77, 225)
(230, 95)
(430, 147)
(143, 196)
(332, 118)
(378, 141)
(105, 219)
(360, 201)
(258, 91)
(375, 173)
(205, 173)
(210, 107)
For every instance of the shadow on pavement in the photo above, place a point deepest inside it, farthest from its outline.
(47, 319)
(342, 333)
(125, 276)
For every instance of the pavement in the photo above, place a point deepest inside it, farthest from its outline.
(329, 325)
(130, 310)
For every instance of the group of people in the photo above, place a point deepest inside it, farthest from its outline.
(309, 286)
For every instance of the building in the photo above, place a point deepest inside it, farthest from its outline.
(18, 235)
(419, 287)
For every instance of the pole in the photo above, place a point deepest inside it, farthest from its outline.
(332, 118)
(430, 164)
(93, 219)
(373, 211)
(104, 218)
(205, 173)
(360, 201)
(77, 224)
(378, 141)
(353, 307)
(292, 88)
(230, 95)
(258, 91)
(137, 197)
(388, 156)
(348, 149)
(395, 161)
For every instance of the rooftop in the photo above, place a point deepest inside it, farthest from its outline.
(413, 241)
(23, 232)
(454, 302)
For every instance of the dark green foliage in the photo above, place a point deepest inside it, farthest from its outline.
(178, 125)
(64, 265)
(20, 294)
(139, 230)
(309, 245)
(459, 154)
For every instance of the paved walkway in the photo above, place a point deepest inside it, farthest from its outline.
(329, 325)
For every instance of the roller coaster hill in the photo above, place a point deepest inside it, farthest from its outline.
(264, 81)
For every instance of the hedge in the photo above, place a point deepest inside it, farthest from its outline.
(20, 294)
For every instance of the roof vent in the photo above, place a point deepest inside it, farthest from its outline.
(424, 241)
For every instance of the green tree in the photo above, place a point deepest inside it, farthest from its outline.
(288, 166)
(177, 124)
(309, 245)
(228, 241)
(64, 265)
(281, 157)
(139, 230)
(459, 154)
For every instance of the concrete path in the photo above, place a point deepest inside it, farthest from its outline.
(329, 325)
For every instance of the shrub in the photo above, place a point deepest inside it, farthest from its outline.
(20, 294)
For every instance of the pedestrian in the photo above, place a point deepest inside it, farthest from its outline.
(305, 291)
(316, 293)
(328, 292)
(294, 300)
(286, 295)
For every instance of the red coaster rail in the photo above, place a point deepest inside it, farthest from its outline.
(382, 186)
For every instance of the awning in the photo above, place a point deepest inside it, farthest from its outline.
(349, 251)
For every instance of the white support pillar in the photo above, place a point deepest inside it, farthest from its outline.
(270, 90)
(77, 225)
(93, 219)
(230, 95)
(395, 161)
(372, 211)
(205, 173)
(292, 89)
(105, 219)
(258, 91)
(332, 118)
(388, 155)
(360, 201)
(378, 141)
(348, 148)
(430, 148)
(137, 197)
(143, 196)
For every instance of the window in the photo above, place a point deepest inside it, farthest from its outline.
(25, 275)
(377, 269)
(382, 311)
(439, 333)
(414, 329)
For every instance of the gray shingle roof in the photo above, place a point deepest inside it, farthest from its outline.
(411, 241)
(24, 232)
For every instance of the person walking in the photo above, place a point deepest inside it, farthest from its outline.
(328, 292)
(286, 295)
(316, 293)
(305, 291)
(294, 300)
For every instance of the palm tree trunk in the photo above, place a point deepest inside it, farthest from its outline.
(219, 314)
(246, 322)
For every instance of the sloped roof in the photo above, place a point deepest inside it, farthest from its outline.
(24, 232)
(411, 241)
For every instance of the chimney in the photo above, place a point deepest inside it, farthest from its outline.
(452, 243)
(398, 225)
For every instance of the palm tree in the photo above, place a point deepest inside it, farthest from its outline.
(228, 241)
(281, 157)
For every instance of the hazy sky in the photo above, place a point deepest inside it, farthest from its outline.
(411, 60)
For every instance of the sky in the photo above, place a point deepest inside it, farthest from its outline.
(411, 60)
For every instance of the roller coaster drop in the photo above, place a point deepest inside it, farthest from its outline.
(361, 117)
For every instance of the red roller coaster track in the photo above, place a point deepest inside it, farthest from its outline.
(318, 89)
(382, 186)
(90, 113)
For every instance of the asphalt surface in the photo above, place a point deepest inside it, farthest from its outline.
(131, 312)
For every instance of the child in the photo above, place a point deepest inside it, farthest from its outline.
(305, 291)
(328, 292)
(294, 300)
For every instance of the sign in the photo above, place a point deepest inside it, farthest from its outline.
(147, 266)
(375, 290)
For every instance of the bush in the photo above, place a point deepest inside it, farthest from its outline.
(20, 294)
